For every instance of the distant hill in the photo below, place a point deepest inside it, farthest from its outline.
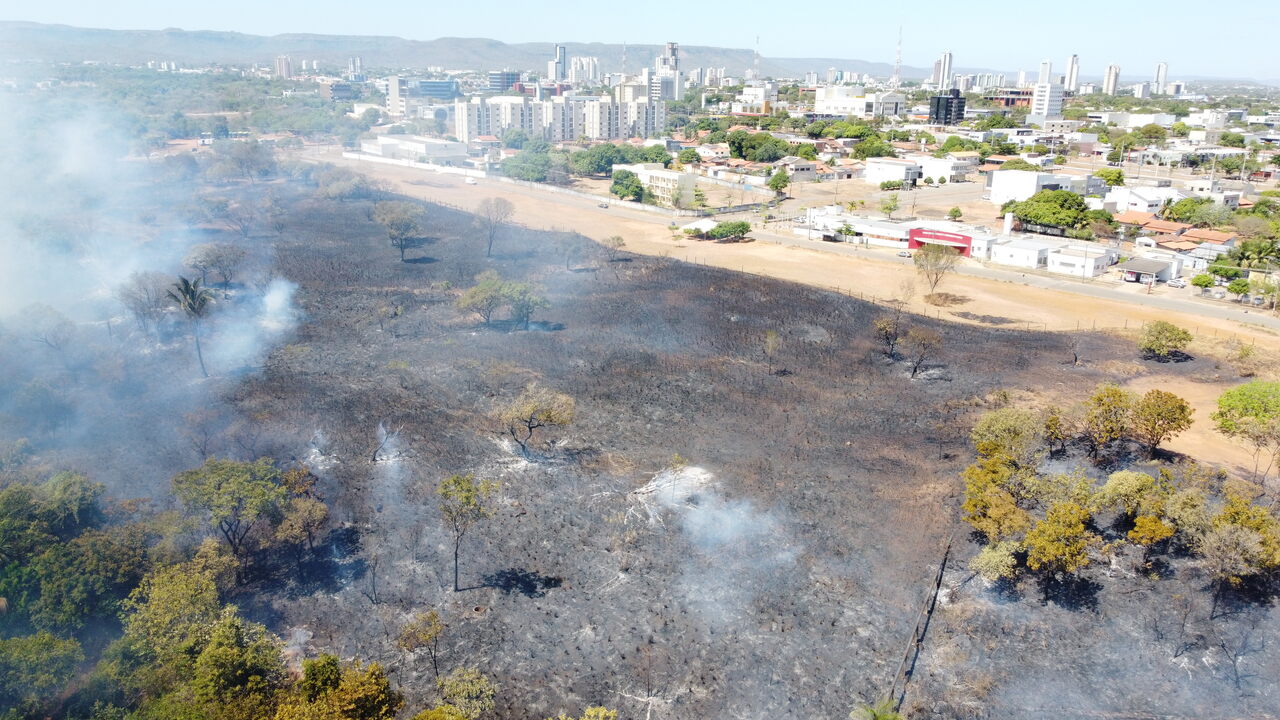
(63, 43)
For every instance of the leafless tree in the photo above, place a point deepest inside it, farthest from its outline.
(143, 295)
(922, 344)
(491, 215)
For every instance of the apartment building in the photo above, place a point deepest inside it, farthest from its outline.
(668, 187)
(563, 118)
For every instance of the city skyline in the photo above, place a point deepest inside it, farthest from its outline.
(876, 41)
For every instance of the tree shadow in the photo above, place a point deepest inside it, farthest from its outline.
(518, 580)
(1175, 356)
(423, 260)
(945, 299)
(1071, 592)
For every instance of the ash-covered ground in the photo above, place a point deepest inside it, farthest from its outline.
(778, 574)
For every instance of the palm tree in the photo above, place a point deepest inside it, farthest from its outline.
(1256, 253)
(882, 710)
(194, 301)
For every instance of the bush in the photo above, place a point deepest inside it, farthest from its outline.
(891, 185)
(1162, 339)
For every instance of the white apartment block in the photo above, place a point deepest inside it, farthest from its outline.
(1046, 103)
(668, 187)
(853, 100)
(563, 118)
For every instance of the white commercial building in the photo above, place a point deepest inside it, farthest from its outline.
(879, 170)
(668, 187)
(416, 148)
(1082, 261)
(1018, 185)
(854, 100)
(931, 167)
(1025, 252)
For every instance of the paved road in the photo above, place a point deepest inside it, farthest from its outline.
(1183, 302)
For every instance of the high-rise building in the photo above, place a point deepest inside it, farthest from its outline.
(669, 60)
(1046, 72)
(355, 69)
(1073, 74)
(1111, 80)
(947, 109)
(284, 67)
(833, 75)
(1162, 79)
(1046, 103)
(1142, 90)
(944, 71)
(397, 96)
(502, 80)
(584, 70)
(1022, 78)
(557, 67)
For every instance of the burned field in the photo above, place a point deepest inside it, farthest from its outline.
(776, 567)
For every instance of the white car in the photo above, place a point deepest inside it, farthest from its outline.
(470, 181)
(1177, 283)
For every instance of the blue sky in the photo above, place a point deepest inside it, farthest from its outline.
(1195, 38)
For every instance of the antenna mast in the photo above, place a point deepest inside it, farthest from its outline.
(624, 60)
(897, 64)
(757, 59)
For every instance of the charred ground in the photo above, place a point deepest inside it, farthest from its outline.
(779, 575)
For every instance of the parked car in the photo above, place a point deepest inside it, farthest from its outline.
(470, 181)
(1177, 283)
(604, 205)
(1259, 300)
(903, 253)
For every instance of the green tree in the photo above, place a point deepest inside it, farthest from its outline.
(194, 301)
(733, 230)
(1161, 339)
(1231, 139)
(1019, 164)
(889, 205)
(423, 630)
(239, 670)
(319, 676)
(172, 609)
(464, 501)
(779, 181)
(1061, 541)
(1106, 416)
(485, 297)
(403, 223)
(469, 691)
(1013, 433)
(536, 407)
(1238, 287)
(524, 301)
(1251, 412)
(233, 496)
(33, 668)
(514, 138)
(1204, 281)
(689, 156)
(1054, 208)
(627, 186)
(996, 561)
(1157, 416)
(1113, 177)
(955, 214)
(989, 505)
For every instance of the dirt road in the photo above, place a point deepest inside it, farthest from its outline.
(974, 300)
